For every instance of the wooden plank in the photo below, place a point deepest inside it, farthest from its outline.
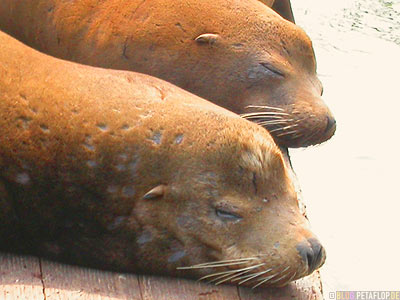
(154, 288)
(71, 282)
(20, 278)
(308, 288)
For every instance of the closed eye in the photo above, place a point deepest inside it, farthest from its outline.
(226, 215)
(272, 69)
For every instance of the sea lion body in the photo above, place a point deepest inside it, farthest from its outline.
(240, 55)
(122, 171)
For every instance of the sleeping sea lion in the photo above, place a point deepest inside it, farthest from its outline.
(123, 171)
(240, 55)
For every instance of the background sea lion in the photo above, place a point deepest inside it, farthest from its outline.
(238, 54)
(282, 7)
(123, 171)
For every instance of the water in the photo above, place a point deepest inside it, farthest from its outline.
(351, 183)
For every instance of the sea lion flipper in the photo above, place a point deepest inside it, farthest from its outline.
(158, 191)
(207, 38)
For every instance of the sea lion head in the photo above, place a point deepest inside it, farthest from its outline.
(229, 213)
(243, 56)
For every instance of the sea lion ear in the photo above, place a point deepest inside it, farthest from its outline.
(207, 38)
(156, 192)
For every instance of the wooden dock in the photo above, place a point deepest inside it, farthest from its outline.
(29, 277)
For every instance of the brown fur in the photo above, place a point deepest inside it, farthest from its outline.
(104, 168)
(216, 49)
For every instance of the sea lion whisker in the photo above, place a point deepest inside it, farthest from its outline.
(266, 113)
(228, 260)
(211, 266)
(230, 272)
(264, 280)
(265, 107)
(232, 277)
(263, 117)
(271, 122)
(219, 274)
(248, 275)
(291, 277)
(281, 277)
(253, 276)
(284, 270)
(286, 133)
(284, 128)
(225, 273)
(299, 134)
(221, 263)
(276, 129)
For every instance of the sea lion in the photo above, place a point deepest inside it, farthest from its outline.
(240, 55)
(282, 7)
(122, 171)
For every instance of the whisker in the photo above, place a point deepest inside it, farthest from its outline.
(253, 276)
(265, 107)
(221, 263)
(232, 276)
(228, 275)
(299, 134)
(283, 128)
(287, 133)
(225, 273)
(213, 266)
(264, 117)
(264, 113)
(230, 272)
(264, 280)
(279, 278)
(272, 122)
(242, 272)
(291, 277)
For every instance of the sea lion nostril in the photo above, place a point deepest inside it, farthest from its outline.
(330, 124)
(312, 253)
(318, 251)
(306, 253)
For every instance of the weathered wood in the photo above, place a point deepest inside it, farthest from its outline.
(308, 288)
(20, 277)
(71, 282)
(154, 288)
(26, 277)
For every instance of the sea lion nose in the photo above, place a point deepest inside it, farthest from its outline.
(330, 124)
(312, 253)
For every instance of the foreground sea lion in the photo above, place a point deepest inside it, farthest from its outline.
(240, 55)
(123, 171)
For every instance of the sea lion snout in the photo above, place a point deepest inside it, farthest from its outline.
(312, 253)
(330, 124)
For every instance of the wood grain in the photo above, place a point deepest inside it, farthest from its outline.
(20, 278)
(31, 278)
